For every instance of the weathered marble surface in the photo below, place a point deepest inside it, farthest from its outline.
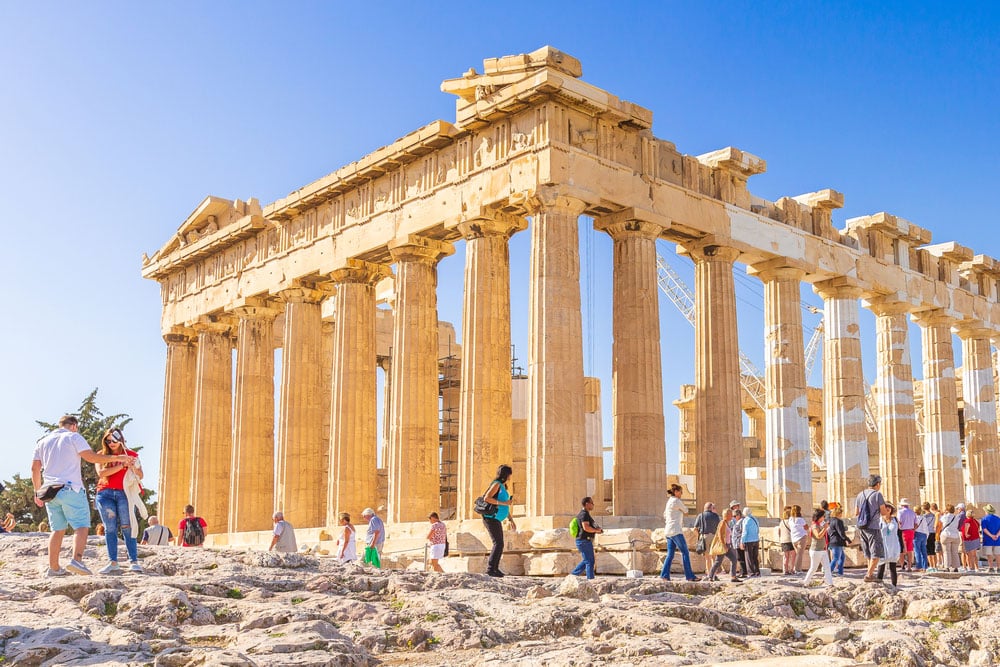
(206, 607)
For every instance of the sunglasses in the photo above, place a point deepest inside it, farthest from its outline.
(114, 436)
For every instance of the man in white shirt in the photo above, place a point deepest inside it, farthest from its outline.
(56, 462)
(673, 517)
(284, 535)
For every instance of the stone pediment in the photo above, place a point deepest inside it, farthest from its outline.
(216, 223)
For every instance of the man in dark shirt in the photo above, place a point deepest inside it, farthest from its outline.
(707, 524)
(585, 538)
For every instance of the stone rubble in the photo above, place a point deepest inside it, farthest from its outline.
(234, 608)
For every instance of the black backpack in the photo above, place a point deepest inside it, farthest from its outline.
(865, 511)
(194, 534)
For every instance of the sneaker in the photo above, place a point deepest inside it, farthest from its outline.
(870, 579)
(111, 568)
(76, 567)
(494, 573)
(135, 567)
(57, 573)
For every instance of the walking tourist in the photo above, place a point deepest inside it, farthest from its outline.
(990, 526)
(750, 539)
(113, 504)
(374, 538)
(673, 517)
(283, 539)
(837, 540)
(737, 528)
(889, 528)
(920, 540)
(347, 549)
(971, 540)
(437, 538)
(933, 527)
(585, 538)
(800, 537)
(868, 509)
(192, 529)
(785, 540)
(156, 534)
(907, 525)
(706, 525)
(818, 555)
(9, 523)
(950, 539)
(722, 547)
(58, 483)
(498, 495)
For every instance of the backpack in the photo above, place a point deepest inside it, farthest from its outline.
(865, 512)
(194, 534)
(574, 527)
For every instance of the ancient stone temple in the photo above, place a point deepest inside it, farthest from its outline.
(340, 276)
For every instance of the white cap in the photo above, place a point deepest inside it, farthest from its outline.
(960, 506)
(905, 502)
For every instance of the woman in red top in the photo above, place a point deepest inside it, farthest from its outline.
(971, 539)
(113, 504)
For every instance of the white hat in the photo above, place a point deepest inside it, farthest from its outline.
(960, 506)
(905, 502)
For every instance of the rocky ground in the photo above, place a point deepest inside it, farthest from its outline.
(206, 607)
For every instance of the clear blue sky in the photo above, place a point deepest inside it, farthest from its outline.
(117, 119)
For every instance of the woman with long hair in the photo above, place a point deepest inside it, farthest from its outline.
(800, 537)
(116, 514)
(498, 495)
(818, 555)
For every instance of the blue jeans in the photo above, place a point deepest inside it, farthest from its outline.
(677, 543)
(837, 562)
(920, 550)
(115, 514)
(586, 549)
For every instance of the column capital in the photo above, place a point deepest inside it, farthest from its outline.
(841, 287)
(709, 252)
(623, 225)
(933, 317)
(775, 269)
(179, 335)
(547, 198)
(414, 248)
(360, 271)
(302, 294)
(491, 223)
(254, 308)
(972, 329)
(216, 324)
(888, 304)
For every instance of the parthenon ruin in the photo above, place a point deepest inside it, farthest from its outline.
(340, 275)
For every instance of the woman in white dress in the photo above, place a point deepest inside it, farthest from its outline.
(347, 551)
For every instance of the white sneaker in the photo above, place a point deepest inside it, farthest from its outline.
(76, 567)
(135, 567)
(111, 568)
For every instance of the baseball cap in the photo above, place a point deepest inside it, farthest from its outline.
(733, 503)
(905, 502)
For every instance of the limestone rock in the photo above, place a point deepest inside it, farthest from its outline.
(557, 538)
(575, 587)
(832, 633)
(947, 610)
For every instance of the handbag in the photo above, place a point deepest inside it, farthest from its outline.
(718, 547)
(47, 493)
(485, 507)
(447, 547)
(699, 546)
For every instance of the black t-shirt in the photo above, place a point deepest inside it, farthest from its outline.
(584, 515)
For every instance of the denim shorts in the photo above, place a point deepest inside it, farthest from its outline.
(68, 508)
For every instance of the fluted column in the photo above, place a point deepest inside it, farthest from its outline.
(981, 453)
(556, 430)
(719, 416)
(251, 489)
(212, 447)
(640, 460)
(484, 435)
(414, 472)
(178, 420)
(845, 435)
(301, 475)
(685, 431)
(898, 447)
(353, 481)
(786, 432)
(942, 442)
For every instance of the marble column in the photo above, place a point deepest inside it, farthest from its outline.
(251, 499)
(786, 434)
(353, 480)
(640, 459)
(484, 435)
(178, 420)
(981, 453)
(556, 448)
(685, 430)
(414, 469)
(212, 447)
(301, 475)
(942, 443)
(845, 434)
(898, 447)
(718, 413)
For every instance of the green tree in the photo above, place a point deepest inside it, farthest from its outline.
(18, 495)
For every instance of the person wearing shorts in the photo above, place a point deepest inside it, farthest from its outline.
(971, 541)
(436, 539)
(990, 528)
(907, 520)
(871, 534)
